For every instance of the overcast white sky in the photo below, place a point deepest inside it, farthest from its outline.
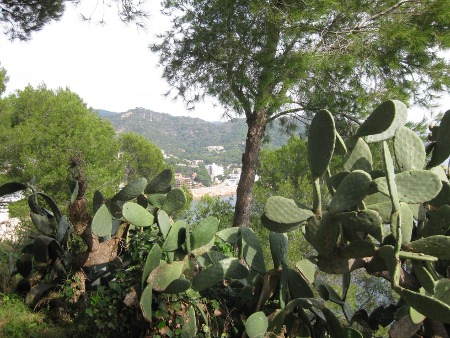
(110, 67)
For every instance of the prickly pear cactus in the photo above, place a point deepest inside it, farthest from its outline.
(382, 217)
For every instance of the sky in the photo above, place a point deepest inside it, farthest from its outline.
(109, 66)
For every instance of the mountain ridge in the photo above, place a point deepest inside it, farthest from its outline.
(189, 137)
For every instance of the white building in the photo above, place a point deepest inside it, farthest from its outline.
(214, 170)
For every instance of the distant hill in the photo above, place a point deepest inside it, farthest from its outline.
(187, 137)
(105, 113)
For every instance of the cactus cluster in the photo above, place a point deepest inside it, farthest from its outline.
(381, 219)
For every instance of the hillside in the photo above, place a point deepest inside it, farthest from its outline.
(188, 137)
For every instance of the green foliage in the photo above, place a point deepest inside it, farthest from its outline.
(19, 20)
(250, 59)
(3, 80)
(43, 131)
(356, 230)
(19, 321)
(188, 138)
(22, 18)
(284, 172)
(142, 158)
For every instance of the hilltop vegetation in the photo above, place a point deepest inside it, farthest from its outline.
(188, 138)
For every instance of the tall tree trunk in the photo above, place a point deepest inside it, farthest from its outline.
(256, 123)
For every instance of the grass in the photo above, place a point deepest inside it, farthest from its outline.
(18, 320)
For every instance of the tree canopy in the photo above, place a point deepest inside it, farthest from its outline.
(21, 18)
(42, 131)
(274, 58)
(142, 158)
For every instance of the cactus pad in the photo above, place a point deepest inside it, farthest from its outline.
(321, 140)
(340, 148)
(441, 150)
(437, 246)
(407, 223)
(437, 223)
(392, 114)
(178, 286)
(176, 236)
(443, 197)
(322, 234)
(175, 200)
(164, 222)
(204, 232)
(256, 325)
(152, 261)
(146, 303)
(307, 269)
(359, 249)
(409, 149)
(278, 247)
(160, 184)
(284, 210)
(164, 274)
(350, 192)
(215, 273)
(137, 215)
(360, 158)
(430, 306)
(11, 188)
(102, 222)
(366, 221)
(413, 186)
(298, 286)
(131, 190)
(250, 249)
(229, 235)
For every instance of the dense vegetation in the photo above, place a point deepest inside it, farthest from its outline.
(381, 230)
(43, 132)
(124, 262)
(270, 59)
(189, 138)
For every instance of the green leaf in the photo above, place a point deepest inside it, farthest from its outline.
(102, 222)
(437, 246)
(256, 325)
(321, 141)
(250, 249)
(11, 188)
(152, 261)
(161, 277)
(441, 150)
(160, 184)
(175, 200)
(392, 114)
(350, 192)
(360, 158)
(137, 215)
(204, 232)
(146, 303)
